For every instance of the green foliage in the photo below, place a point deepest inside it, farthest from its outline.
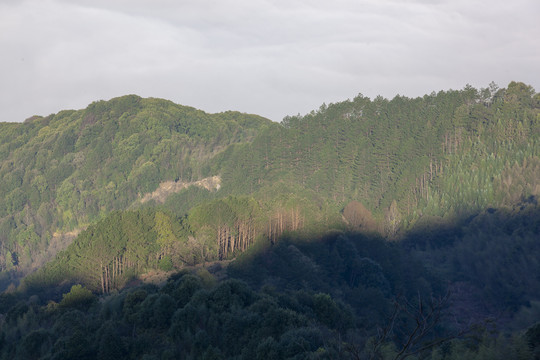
(451, 178)
(107, 254)
(439, 155)
(81, 165)
(446, 154)
(495, 251)
(165, 263)
(326, 297)
(225, 320)
(78, 297)
(35, 344)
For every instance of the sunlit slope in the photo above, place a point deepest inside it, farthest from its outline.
(385, 166)
(68, 169)
(446, 154)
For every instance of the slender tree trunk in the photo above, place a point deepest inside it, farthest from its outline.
(102, 280)
(107, 279)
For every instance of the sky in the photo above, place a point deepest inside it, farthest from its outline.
(268, 57)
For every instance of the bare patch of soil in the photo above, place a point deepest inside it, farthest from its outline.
(168, 188)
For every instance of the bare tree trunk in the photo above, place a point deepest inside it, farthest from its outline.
(107, 279)
(102, 279)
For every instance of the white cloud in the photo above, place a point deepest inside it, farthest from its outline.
(272, 58)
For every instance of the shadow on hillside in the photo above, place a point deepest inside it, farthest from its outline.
(488, 262)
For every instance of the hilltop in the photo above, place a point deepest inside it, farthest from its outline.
(338, 220)
(67, 170)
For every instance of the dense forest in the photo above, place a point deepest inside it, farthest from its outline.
(65, 171)
(367, 229)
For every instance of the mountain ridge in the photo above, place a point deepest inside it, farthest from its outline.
(68, 169)
(347, 229)
(392, 162)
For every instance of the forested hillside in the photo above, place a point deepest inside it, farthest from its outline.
(66, 170)
(336, 296)
(379, 165)
(444, 154)
(371, 228)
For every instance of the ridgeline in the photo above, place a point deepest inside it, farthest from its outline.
(347, 226)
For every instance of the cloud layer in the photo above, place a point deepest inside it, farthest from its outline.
(273, 58)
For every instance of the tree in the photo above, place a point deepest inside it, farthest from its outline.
(165, 236)
(35, 344)
(78, 297)
(111, 345)
(358, 217)
(393, 219)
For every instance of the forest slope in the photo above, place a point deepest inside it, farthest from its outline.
(68, 169)
(386, 166)
(339, 220)
(442, 154)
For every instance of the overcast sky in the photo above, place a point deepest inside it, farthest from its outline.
(273, 58)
